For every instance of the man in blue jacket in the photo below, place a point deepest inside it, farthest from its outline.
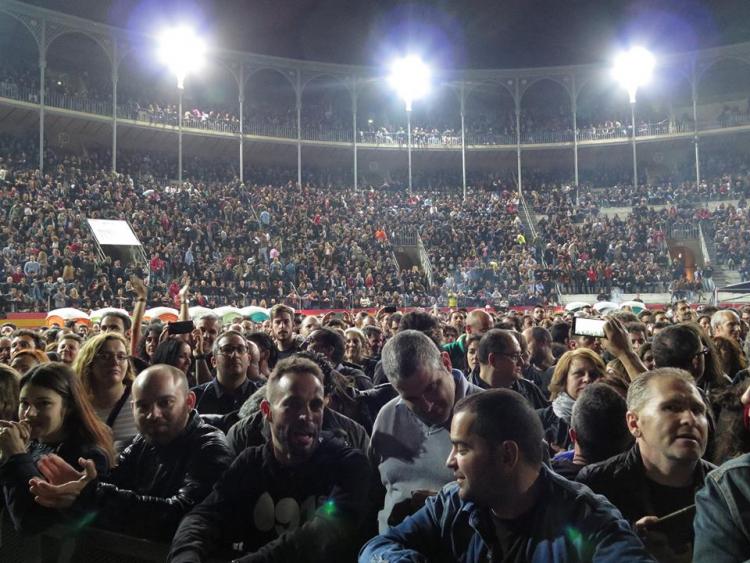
(505, 505)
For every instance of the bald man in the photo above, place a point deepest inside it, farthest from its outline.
(168, 468)
(478, 322)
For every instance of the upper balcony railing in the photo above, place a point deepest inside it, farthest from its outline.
(222, 122)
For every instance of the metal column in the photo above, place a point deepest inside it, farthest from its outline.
(242, 126)
(42, 68)
(518, 142)
(463, 141)
(181, 90)
(408, 140)
(695, 130)
(354, 129)
(574, 107)
(299, 129)
(635, 156)
(114, 106)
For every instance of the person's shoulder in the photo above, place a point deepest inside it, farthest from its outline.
(738, 467)
(200, 389)
(336, 451)
(603, 470)
(578, 498)
(387, 415)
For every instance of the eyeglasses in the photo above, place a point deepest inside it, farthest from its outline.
(703, 352)
(109, 356)
(517, 357)
(229, 350)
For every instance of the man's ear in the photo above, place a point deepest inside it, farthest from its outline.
(631, 419)
(213, 361)
(446, 358)
(509, 454)
(572, 344)
(190, 400)
(573, 435)
(265, 408)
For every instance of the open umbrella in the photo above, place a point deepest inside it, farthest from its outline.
(227, 313)
(256, 314)
(60, 316)
(165, 314)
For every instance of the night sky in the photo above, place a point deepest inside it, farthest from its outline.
(452, 33)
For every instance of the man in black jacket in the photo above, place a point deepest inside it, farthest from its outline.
(300, 497)
(662, 472)
(168, 468)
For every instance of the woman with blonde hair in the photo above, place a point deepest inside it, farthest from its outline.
(106, 375)
(356, 347)
(574, 371)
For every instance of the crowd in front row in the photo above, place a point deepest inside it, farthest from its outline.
(399, 436)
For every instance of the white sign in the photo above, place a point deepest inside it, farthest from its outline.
(116, 233)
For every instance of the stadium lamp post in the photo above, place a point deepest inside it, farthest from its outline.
(182, 52)
(633, 69)
(410, 77)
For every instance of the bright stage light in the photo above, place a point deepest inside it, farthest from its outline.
(633, 69)
(182, 51)
(410, 77)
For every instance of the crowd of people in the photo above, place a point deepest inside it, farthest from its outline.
(424, 435)
(319, 246)
(326, 117)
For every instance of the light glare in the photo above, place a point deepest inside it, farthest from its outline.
(182, 51)
(410, 77)
(633, 69)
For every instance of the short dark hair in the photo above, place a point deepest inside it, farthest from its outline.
(423, 322)
(560, 332)
(495, 340)
(675, 346)
(293, 364)
(330, 338)
(39, 343)
(265, 343)
(635, 326)
(504, 415)
(599, 422)
(126, 321)
(541, 334)
(167, 352)
(281, 309)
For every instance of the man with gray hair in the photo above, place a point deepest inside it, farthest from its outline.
(726, 323)
(411, 437)
(661, 473)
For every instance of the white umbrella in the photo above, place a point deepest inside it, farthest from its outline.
(198, 310)
(167, 314)
(635, 306)
(97, 315)
(227, 313)
(59, 316)
(256, 314)
(604, 307)
(575, 306)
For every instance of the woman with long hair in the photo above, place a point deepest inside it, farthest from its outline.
(54, 417)
(106, 376)
(574, 371)
(174, 352)
(356, 347)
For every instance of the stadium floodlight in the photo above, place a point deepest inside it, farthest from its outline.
(633, 69)
(410, 78)
(182, 52)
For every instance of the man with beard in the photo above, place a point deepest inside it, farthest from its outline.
(168, 468)
(282, 327)
(299, 497)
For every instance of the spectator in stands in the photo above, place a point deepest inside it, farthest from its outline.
(9, 380)
(25, 359)
(253, 428)
(500, 365)
(309, 324)
(472, 348)
(331, 344)
(477, 322)
(68, 346)
(574, 371)
(282, 323)
(231, 387)
(107, 376)
(268, 353)
(170, 466)
(55, 417)
(528, 510)
(25, 339)
(5, 349)
(174, 352)
(539, 341)
(647, 356)
(682, 312)
(356, 347)
(597, 429)
(207, 328)
(662, 472)
(638, 334)
(732, 360)
(410, 439)
(726, 323)
(114, 321)
(321, 480)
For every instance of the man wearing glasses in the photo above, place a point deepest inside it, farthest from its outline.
(231, 387)
(500, 366)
